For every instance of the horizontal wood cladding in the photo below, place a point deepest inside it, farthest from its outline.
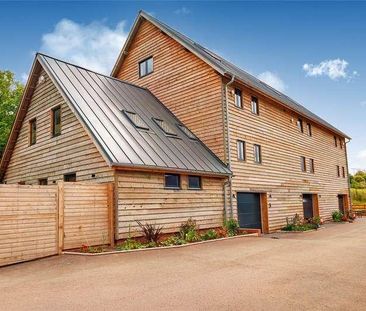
(28, 222)
(282, 145)
(185, 84)
(52, 157)
(142, 196)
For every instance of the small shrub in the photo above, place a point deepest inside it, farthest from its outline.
(129, 244)
(231, 226)
(316, 221)
(209, 235)
(189, 226)
(173, 240)
(192, 236)
(151, 232)
(337, 216)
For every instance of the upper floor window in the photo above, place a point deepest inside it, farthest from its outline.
(338, 171)
(343, 172)
(341, 143)
(172, 181)
(32, 131)
(194, 182)
(56, 121)
(255, 105)
(146, 67)
(257, 154)
(312, 167)
(303, 164)
(310, 132)
(241, 150)
(238, 98)
(335, 141)
(300, 125)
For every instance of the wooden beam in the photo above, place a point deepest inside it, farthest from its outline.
(110, 189)
(264, 212)
(61, 207)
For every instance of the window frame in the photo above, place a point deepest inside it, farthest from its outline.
(312, 166)
(303, 164)
(172, 187)
(32, 131)
(145, 62)
(43, 181)
(338, 171)
(340, 143)
(254, 100)
(144, 126)
(300, 125)
(335, 141)
(68, 175)
(53, 128)
(343, 172)
(236, 96)
(259, 153)
(309, 129)
(199, 182)
(242, 143)
(169, 134)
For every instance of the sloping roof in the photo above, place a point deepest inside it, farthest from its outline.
(100, 101)
(224, 67)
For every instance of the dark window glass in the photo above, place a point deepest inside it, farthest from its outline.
(172, 181)
(255, 105)
(70, 177)
(310, 133)
(343, 172)
(257, 154)
(303, 164)
(146, 67)
(42, 181)
(335, 141)
(300, 125)
(341, 143)
(238, 98)
(241, 150)
(312, 168)
(338, 171)
(56, 121)
(32, 132)
(194, 182)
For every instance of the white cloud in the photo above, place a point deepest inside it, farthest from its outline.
(182, 11)
(273, 80)
(334, 69)
(95, 45)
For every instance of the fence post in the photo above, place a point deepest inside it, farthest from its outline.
(61, 207)
(110, 191)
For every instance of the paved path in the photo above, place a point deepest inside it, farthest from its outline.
(324, 270)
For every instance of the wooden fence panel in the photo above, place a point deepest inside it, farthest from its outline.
(28, 222)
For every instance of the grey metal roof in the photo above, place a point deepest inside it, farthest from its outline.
(100, 100)
(226, 68)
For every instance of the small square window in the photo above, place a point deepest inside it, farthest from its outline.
(255, 105)
(257, 154)
(194, 182)
(310, 133)
(32, 132)
(172, 181)
(241, 150)
(238, 98)
(43, 181)
(300, 125)
(303, 164)
(70, 177)
(56, 121)
(167, 129)
(146, 67)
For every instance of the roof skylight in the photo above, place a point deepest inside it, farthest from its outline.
(167, 129)
(136, 120)
(186, 131)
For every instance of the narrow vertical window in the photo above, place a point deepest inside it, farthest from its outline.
(238, 98)
(341, 143)
(303, 164)
(56, 121)
(146, 67)
(257, 154)
(255, 105)
(312, 168)
(310, 133)
(300, 125)
(343, 172)
(335, 141)
(338, 171)
(241, 150)
(32, 132)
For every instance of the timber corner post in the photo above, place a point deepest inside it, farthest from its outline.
(60, 203)
(111, 211)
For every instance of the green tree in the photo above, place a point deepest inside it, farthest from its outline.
(10, 95)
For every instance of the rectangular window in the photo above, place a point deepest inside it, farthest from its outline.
(310, 133)
(42, 181)
(255, 105)
(194, 182)
(241, 150)
(32, 132)
(303, 164)
(338, 171)
(70, 177)
(56, 121)
(136, 120)
(257, 154)
(238, 98)
(167, 129)
(172, 181)
(335, 141)
(343, 172)
(341, 143)
(312, 168)
(146, 67)
(300, 125)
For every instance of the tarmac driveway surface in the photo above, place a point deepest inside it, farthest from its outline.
(323, 270)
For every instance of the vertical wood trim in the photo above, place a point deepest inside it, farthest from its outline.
(110, 190)
(264, 212)
(346, 203)
(61, 207)
(316, 205)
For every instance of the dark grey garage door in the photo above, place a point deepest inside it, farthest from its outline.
(249, 210)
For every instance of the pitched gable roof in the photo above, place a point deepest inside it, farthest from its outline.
(99, 102)
(225, 68)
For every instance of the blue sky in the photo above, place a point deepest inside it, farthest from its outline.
(313, 51)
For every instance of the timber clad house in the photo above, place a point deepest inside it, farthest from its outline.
(181, 133)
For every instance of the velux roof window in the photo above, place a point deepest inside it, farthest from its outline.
(167, 129)
(187, 132)
(136, 120)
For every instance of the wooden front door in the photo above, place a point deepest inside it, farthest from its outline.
(341, 203)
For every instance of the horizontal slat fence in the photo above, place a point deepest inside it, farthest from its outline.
(39, 221)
